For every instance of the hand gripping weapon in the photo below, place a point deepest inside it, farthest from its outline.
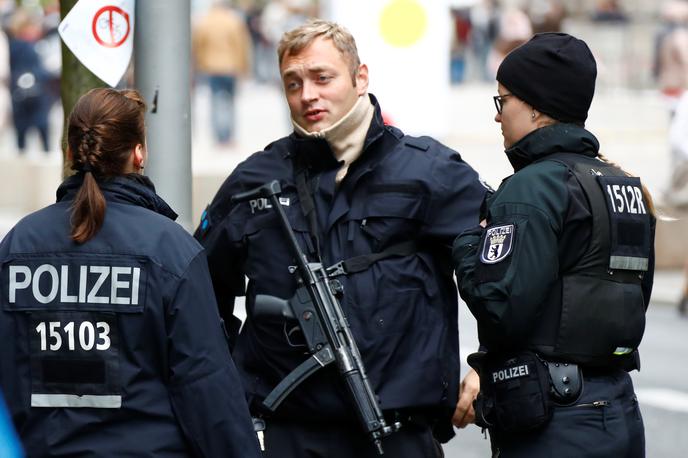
(324, 326)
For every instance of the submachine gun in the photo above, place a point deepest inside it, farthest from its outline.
(324, 327)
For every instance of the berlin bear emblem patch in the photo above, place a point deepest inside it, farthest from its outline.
(499, 241)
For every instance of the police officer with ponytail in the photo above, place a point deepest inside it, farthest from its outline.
(112, 344)
(559, 273)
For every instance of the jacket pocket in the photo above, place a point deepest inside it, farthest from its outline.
(389, 218)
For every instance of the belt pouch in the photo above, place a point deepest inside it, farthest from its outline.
(519, 387)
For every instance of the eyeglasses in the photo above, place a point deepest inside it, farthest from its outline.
(499, 102)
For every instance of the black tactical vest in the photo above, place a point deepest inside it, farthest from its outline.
(596, 314)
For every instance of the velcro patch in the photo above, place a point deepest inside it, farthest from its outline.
(498, 243)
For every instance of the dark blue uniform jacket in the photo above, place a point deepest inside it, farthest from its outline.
(114, 347)
(402, 310)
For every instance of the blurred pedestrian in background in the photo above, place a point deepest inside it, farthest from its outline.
(483, 18)
(546, 15)
(263, 53)
(278, 17)
(676, 196)
(28, 79)
(221, 49)
(459, 45)
(609, 11)
(513, 29)
(130, 359)
(671, 52)
(5, 101)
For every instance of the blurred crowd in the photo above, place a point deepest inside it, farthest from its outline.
(486, 30)
(235, 40)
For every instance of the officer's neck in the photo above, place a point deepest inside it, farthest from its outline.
(346, 136)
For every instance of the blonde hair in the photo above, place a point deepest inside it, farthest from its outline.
(294, 41)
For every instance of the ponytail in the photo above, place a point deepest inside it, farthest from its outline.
(88, 210)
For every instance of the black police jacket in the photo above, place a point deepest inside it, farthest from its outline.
(114, 347)
(402, 310)
(537, 276)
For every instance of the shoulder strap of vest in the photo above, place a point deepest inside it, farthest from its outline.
(586, 169)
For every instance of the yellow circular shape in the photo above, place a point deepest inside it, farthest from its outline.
(403, 23)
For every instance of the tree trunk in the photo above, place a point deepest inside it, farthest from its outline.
(76, 80)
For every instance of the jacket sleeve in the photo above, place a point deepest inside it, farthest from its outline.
(455, 202)
(506, 269)
(220, 233)
(205, 388)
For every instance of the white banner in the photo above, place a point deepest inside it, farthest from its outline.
(406, 46)
(100, 33)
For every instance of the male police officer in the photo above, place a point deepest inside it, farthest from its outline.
(371, 189)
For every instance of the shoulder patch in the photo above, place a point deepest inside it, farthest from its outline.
(498, 243)
(205, 220)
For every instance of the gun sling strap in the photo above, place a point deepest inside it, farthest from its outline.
(348, 266)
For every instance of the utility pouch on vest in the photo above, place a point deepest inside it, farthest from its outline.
(514, 391)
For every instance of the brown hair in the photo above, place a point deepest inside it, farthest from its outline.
(104, 127)
(294, 41)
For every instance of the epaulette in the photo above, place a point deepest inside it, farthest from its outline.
(421, 143)
(269, 145)
(395, 131)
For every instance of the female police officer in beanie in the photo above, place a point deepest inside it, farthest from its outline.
(112, 344)
(559, 273)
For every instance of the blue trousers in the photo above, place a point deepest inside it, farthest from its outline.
(222, 111)
(604, 422)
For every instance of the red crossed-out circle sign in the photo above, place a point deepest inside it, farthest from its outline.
(111, 26)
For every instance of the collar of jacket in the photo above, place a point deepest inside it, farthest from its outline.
(556, 138)
(316, 152)
(131, 189)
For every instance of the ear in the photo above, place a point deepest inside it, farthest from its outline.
(70, 157)
(362, 80)
(137, 156)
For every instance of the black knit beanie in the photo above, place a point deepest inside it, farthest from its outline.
(554, 73)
